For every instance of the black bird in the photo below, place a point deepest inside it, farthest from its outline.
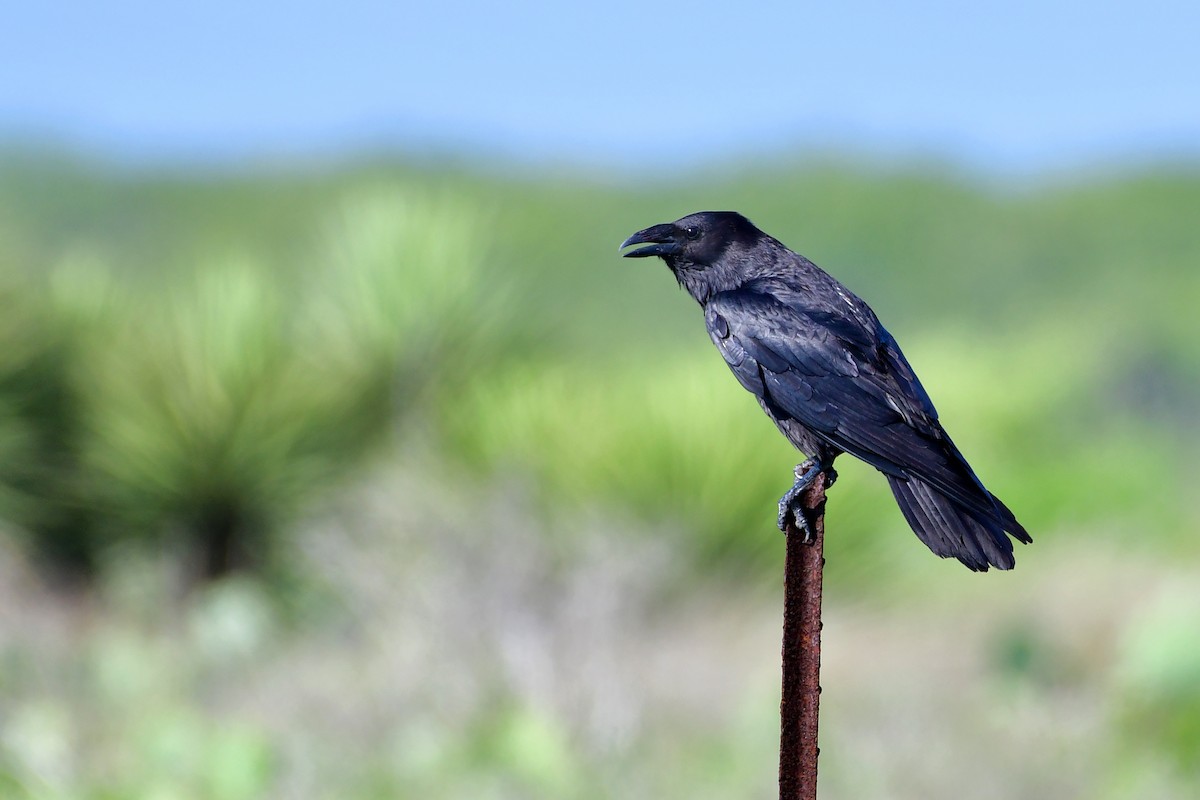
(832, 378)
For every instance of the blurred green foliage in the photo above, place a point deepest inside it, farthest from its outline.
(40, 425)
(211, 403)
(205, 356)
(123, 726)
(191, 364)
(1159, 678)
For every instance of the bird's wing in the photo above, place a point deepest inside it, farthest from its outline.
(850, 385)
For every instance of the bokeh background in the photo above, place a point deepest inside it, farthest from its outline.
(341, 456)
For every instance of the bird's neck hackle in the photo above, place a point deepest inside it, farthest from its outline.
(738, 266)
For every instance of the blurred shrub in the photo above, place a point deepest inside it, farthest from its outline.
(214, 403)
(201, 412)
(41, 488)
(403, 283)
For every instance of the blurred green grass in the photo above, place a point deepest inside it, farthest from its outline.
(198, 366)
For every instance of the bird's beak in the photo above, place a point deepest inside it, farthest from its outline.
(661, 239)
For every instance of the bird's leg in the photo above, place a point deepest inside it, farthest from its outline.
(789, 504)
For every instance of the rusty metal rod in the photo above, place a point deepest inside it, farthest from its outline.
(801, 696)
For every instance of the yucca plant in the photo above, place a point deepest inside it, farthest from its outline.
(402, 303)
(220, 406)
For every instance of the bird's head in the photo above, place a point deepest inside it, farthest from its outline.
(698, 239)
(705, 250)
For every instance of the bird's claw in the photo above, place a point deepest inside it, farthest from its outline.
(789, 513)
(790, 508)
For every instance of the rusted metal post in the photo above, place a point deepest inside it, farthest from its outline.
(801, 697)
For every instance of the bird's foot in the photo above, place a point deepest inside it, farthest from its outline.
(790, 508)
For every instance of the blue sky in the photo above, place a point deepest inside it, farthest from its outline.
(1018, 85)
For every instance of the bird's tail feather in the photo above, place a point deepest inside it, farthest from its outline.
(950, 530)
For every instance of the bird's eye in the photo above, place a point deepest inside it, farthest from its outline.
(692, 232)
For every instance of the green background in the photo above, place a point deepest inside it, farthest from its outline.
(391, 479)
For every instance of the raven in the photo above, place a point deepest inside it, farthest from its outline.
(832, 378)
